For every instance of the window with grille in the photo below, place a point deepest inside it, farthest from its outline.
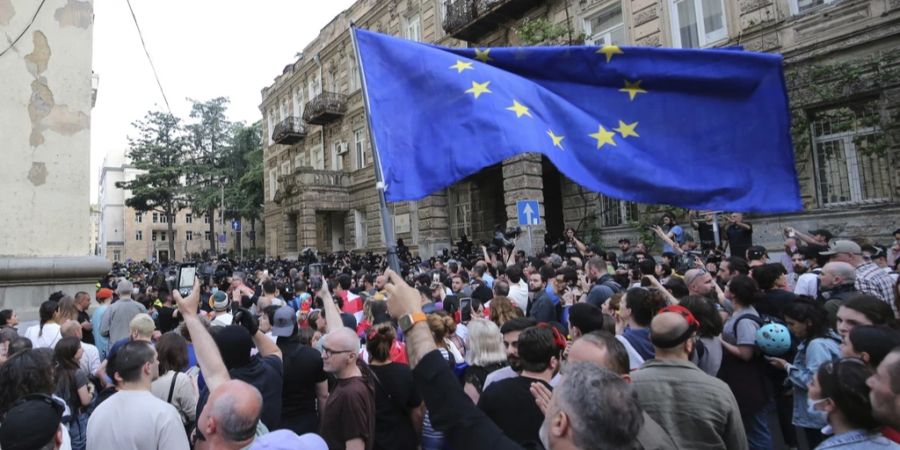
(697, 23)
(615, 212)
(850, 165)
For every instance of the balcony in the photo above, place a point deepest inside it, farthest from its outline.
(326, 107)
(306, 186)
(470, 20)
(289, 131)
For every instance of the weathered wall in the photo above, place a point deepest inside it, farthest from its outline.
(45, 105)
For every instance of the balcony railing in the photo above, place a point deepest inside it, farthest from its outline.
(289, 131)
(325, 108)
(470, 20)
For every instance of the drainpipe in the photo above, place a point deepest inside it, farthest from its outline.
(321, 90)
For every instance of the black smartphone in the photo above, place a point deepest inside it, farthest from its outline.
(185, 282)
(315, 277)
(465, 307)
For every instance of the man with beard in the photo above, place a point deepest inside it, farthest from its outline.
(511, 331)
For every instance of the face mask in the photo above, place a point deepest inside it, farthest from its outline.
(811, 405)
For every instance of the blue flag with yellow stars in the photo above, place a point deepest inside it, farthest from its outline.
(700, 129)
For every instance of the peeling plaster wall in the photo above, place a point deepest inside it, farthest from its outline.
(45, 106)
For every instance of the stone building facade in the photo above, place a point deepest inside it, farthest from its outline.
(842, 63)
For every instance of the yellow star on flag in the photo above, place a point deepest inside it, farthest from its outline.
(519, 109)
(482, 55)
(633, 89)
(462, 65)
(603, 137)
(557, 140)
(479, 88)
(627, 129)
(609, 51)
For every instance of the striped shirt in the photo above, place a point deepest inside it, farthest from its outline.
(872, 279)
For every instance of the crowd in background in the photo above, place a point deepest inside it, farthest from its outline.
(700, 346)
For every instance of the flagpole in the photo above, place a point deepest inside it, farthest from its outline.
(387, 219)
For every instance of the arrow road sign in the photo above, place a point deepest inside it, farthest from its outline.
(529, 212)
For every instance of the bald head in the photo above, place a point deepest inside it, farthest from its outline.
(343, 339)
(234, 408)
(669, 326)
(845, 271)
(70, 328)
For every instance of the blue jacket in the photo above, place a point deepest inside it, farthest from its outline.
(806, 363)
(859, 440)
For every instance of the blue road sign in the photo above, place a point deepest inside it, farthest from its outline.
(529, 212)
(236, 225)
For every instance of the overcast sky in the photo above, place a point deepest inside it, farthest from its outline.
(201, 49)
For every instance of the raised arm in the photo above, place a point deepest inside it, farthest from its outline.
(208, 357)
(332, 314)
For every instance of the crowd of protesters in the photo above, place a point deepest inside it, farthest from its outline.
(696, 347)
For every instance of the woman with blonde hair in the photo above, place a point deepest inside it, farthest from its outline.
(503, 309)
(67, 310)
(486, 354)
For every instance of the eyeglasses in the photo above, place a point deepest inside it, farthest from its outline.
(329, 352)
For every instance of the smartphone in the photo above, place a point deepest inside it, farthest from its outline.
(465, 307)
(315, 277)
(185, 282)
(436, 277)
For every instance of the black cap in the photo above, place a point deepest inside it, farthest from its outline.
(756, 252)
(31, 423)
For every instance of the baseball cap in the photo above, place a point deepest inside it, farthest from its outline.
(284, 322)
(104, 293)
(288, 440)
(219, 301)
(842, 246)
(31, 423)
(822, 232)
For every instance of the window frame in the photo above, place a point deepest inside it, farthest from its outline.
(586, 25)
(703, 38)
(139, 235)
(359, 149)
(413, 27)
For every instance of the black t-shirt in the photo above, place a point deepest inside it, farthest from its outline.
(165, 320)
(510, 405)
(706, 234)
(739, 239)
(265, 374)
(395, 395)
(302, 372)
(86, 336)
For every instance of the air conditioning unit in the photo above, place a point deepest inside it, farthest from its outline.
(343, 148)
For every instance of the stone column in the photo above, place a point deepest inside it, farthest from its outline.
(45, 107)
(522, 181)
(434, 224)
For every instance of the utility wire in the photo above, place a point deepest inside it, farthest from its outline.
(27, 27)
(143, 44)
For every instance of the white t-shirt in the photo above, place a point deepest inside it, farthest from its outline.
(222, 319)
(807, 284)
(90, 358)
(136, 420)
(48, 337)
(518, 293)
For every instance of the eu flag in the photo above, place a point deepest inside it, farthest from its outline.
(700, 129)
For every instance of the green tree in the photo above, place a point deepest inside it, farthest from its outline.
(210, 136)
(247, 195)
(158, 151)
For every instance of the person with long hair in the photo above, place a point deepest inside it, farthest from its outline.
(839, 390)
(399, 410)
(8, 319)
(173, 385)
(73, 386)
(67, 309)
(502, 309)
(47, 333)
(808, 322)
(708, 356)
(486, 354)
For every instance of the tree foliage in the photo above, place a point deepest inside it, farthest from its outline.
(158, 151)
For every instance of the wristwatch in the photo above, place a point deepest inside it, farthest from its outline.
(407, 321)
